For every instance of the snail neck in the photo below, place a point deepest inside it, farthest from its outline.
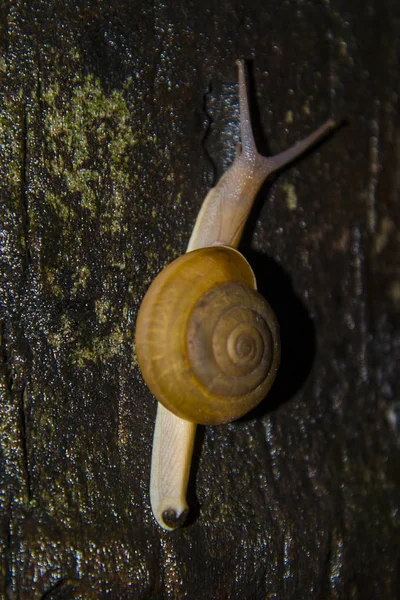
(226, 208)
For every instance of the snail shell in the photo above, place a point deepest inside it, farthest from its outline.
(207, 342)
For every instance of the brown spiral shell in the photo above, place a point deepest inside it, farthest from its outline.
(207, 342)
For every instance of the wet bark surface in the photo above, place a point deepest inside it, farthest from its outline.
(114, 122)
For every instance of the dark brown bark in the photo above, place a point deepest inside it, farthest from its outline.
(114, 122)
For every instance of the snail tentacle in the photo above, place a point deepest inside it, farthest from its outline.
(248, 144)
(273, 163)
(266, 165)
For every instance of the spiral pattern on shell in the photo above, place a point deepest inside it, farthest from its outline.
(229, 340)
(206, 341)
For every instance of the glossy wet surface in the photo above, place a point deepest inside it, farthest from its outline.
(114, 122)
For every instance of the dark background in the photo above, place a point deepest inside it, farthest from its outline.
(114, 122)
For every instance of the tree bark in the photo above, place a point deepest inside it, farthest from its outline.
(115, 120)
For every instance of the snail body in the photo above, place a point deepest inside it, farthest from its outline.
(207, 343)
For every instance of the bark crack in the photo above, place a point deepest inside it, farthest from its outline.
(24, 438)
(26, 221)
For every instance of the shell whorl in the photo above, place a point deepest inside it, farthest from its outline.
(229, 342)
(207, 342)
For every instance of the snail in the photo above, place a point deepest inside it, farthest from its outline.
(207, 342)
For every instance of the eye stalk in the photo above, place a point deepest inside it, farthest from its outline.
(207, 343)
